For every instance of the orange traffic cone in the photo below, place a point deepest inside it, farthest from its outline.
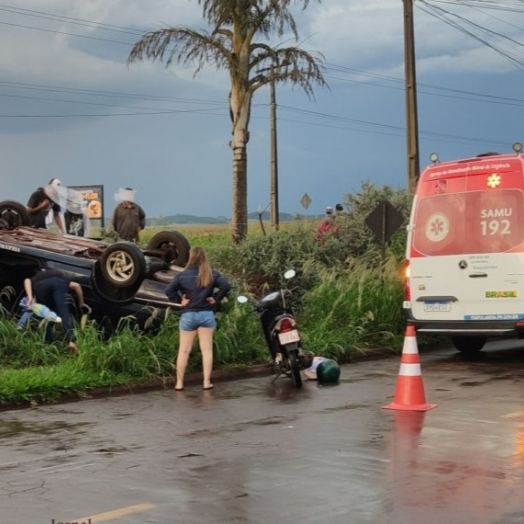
(409, 393)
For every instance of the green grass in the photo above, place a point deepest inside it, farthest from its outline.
(351, 312)
(51, 383)
(344, 306)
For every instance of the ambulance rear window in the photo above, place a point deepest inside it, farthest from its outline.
(469, 222)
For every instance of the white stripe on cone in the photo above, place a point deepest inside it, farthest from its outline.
(408, 348)
(410, 370)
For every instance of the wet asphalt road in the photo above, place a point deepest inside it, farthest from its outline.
(254, 452)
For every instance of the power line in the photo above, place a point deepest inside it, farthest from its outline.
(98, 104)
(376, 127)
(66, 33)
(131, 31)
(112, 115)
(489, 98)
(103, 93)
(401, 131)
(499, 5)
(464, 95)
(386, 129)
(69, 20)
(455, 20)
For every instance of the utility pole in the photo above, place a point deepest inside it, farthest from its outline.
(274, 155)
(411, 97)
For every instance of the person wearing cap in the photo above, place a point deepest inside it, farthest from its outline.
(128, 217)
(43, 200)
(326, 226)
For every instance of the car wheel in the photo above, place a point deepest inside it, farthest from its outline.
(12, 215)
(171, 246)
(469, 345)
(115, 296)
(123, 265)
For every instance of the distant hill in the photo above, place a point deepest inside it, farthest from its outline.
(192, 219)
(185, 219)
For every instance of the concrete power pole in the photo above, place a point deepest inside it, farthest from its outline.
(413, 161)
(274, 155)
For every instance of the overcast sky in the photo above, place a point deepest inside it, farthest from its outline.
(71, 108)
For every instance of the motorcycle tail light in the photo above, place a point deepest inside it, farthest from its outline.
(286, 325)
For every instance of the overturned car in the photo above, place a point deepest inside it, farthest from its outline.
(118, 279)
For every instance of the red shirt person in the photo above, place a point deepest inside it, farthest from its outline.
(327, 226)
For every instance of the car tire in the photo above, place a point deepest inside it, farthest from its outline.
(13, 214)
(113, 295)
(469, 345)
(171, 246)
(123, 265)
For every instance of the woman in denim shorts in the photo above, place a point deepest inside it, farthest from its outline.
(199, 289)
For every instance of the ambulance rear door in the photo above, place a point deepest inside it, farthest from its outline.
(467, 241)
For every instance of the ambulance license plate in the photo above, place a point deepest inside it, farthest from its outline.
(437, 306)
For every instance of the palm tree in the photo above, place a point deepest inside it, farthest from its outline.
(251, 65)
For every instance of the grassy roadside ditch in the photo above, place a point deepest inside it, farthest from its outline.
(347, 297)
(340, 317)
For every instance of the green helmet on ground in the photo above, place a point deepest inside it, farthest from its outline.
(328, 372)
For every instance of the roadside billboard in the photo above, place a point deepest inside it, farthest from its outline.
(89, 223)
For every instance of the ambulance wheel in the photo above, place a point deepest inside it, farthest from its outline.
(469, 345)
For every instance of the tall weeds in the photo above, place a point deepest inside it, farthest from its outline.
(347, 297)
(352, 310)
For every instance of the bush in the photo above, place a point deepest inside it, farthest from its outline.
(351, 311)
(347, 296)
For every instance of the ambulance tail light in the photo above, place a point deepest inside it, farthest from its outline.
(405, 279)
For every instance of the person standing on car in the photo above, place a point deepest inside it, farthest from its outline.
(128, 217)
(51, 288)
(41, 202)
(199, 290)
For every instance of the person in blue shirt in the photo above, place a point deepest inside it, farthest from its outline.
(199, 289)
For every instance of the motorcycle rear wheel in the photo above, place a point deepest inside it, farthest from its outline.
(294, 368)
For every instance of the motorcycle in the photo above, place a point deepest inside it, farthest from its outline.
(281, 333)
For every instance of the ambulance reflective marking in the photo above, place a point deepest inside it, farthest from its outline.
(501, 294)
(499, 316)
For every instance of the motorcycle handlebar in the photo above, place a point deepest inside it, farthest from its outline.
(264, 303)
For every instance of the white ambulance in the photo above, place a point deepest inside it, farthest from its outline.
(465, 251)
